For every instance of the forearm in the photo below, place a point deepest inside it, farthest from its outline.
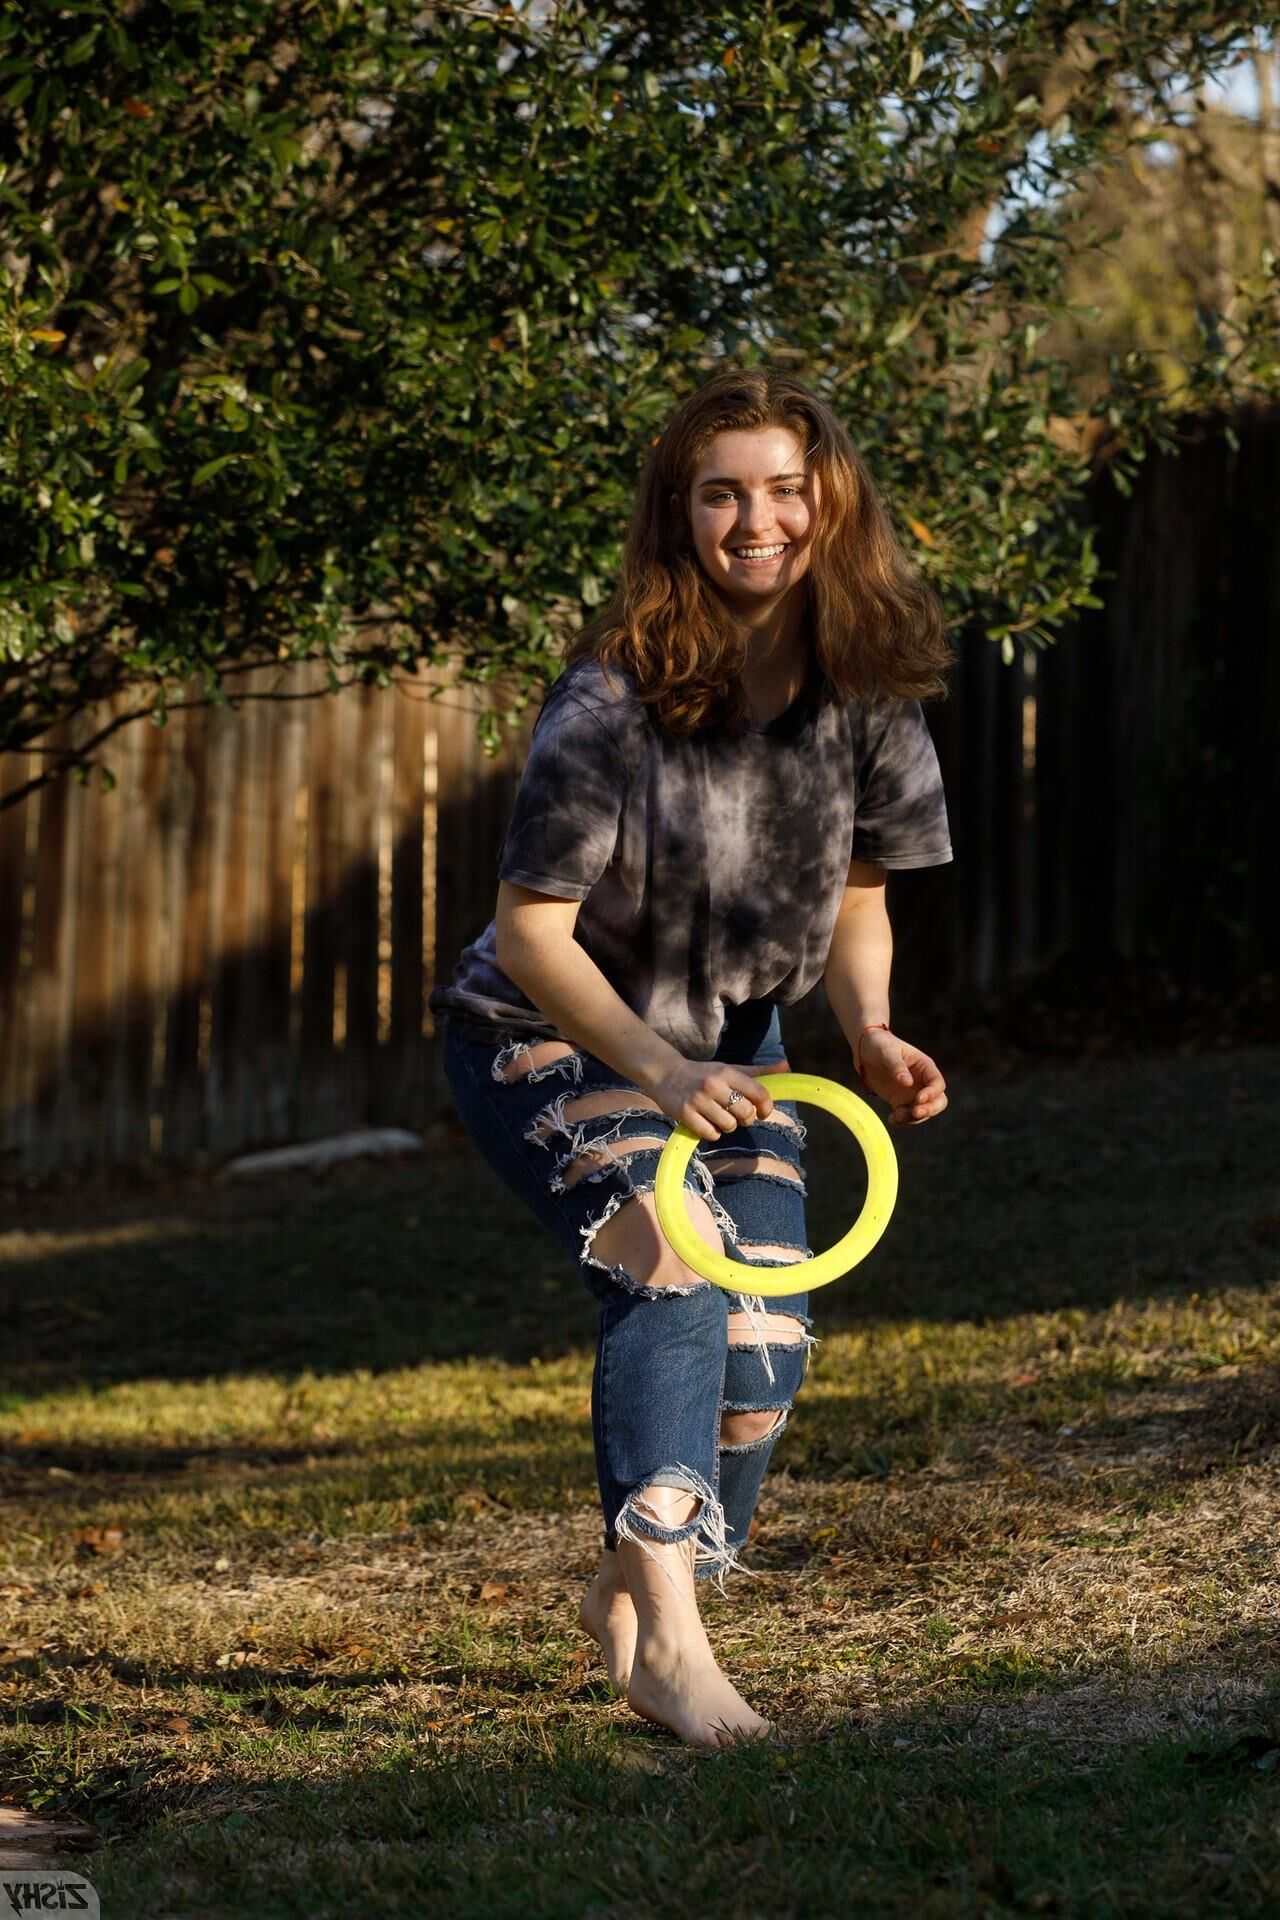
(566, 985)
(859, 963)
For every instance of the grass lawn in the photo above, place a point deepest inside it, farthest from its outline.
(298, 1502)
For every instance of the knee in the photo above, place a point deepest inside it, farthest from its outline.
(763, 1371)
(747, 1427)
(628, 1241)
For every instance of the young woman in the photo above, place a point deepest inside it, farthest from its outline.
(732, 757)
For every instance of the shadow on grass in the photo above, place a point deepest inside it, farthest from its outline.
(1052, 1188)
(1106, 1796)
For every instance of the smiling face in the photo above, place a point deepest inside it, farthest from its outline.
(751, 508)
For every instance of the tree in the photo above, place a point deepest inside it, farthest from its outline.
(1188, 217)
(336, 329)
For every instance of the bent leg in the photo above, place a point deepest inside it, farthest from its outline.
(760, 1178)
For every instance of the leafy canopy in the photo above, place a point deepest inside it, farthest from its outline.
(339, 330)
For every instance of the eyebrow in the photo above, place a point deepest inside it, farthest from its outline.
(735, 483)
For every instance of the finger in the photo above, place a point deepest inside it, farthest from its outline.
(750, 1089)
(912, 1113)
(727, 1117)
(761, 1099)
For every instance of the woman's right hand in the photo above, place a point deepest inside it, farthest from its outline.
(695, 1093)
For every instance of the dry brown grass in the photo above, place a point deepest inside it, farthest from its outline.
(1018, 1555)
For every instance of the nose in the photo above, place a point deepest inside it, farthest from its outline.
(755, 518)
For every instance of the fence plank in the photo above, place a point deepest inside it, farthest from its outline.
(189, 884)
(278, 778)
(358, 914)
(15, 822)
(77, 940)
(319, 1105)
(413, 717)
(141, 900)
(232, 855)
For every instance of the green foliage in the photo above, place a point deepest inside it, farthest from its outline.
(1172, 259)
(340, 329)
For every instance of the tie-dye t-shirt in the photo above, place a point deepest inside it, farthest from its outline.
(710, 867)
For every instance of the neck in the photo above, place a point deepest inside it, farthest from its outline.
(774, 632)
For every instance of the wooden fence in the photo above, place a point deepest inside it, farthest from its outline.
(233, 947)
(1116, 798)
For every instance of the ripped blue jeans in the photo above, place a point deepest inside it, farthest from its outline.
(554, 1123)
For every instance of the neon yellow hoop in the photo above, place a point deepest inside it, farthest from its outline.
(803, 1275)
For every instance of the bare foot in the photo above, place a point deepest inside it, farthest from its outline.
(608, 1614)
(683, 1689)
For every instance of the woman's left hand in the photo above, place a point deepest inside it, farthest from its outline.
(908, 1079)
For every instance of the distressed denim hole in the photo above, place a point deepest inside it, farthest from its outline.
(737, 1165)
(636, 1253)
(534, 1060)
(605, 1157)
(751, 1426)
(773, 1256)
(779, 1329)
(555, 1118)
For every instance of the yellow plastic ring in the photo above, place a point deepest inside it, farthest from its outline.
(803, 1275)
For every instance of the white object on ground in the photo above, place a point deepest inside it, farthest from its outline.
(323, 1153)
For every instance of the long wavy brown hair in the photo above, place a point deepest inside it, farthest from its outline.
(876, 627)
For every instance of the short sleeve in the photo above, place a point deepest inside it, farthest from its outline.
(564, 825)
(900, 812)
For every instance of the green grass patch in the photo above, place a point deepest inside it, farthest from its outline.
(297, 1501)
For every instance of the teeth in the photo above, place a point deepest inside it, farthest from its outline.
(758, 553)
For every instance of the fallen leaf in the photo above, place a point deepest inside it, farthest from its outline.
(86, 1593)
(236, 1659)
(636, 1760)
(475, 1500)
(177, 1725)
(9, 1656)
(100, 1539)
(493, 1590)
(921, 532)
(331, 1650)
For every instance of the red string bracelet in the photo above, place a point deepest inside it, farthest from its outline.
(872, 1026)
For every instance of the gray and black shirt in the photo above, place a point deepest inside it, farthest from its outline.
(710, 868)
